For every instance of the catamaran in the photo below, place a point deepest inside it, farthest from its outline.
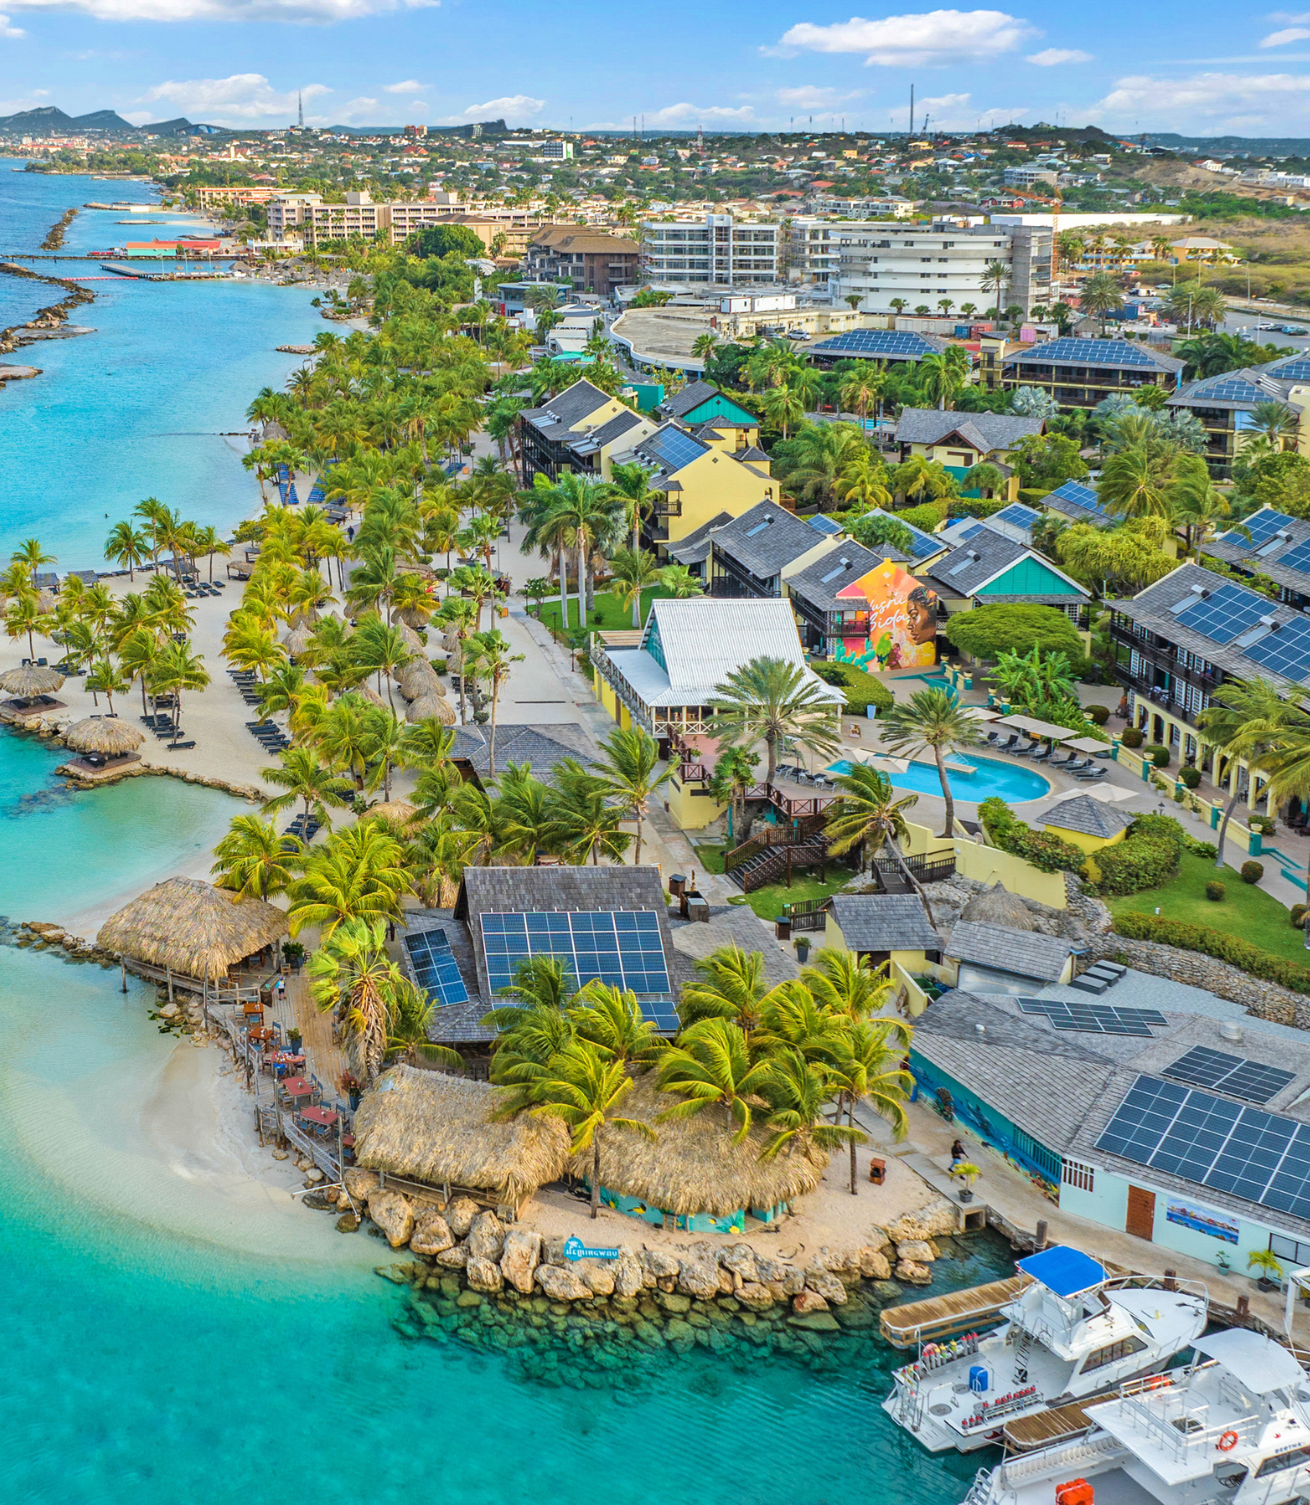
(1233, 1428)
(1073, 1332)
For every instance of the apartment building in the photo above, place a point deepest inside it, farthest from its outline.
(713, 251)
(1080, 373)
(237, 193)
(594, 261)
(308, 216)
(881, 261)
(1226, 404)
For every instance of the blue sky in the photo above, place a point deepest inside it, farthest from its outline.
(1204, 68)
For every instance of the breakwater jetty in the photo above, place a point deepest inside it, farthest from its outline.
(55, 235)
(47, 323)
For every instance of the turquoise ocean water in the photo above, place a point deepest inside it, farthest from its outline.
(146, 405)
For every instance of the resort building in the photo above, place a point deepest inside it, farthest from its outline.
(701, 402)
(959, 441)
(883, 928)
(665, 680)
(358, 218)
(1003, 959)
(826, 618)
(1278, 548)
(714, 251)
(1146, 1106)
(1080, 373)
(580, 429)
(892, 345)
(1078, 503)
(989, 569)
(591, 260)
(1086, 823)
(1225, 405)
(541, 748)
(754, 554)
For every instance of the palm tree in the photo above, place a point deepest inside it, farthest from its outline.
(733, 775)
(710, 1067)
(24, 617)
(866, 814)
(797, 1091)
(1136, 482)
(823, 453)
(459, 614)
(306, 779)
(254, 859)
(631, 773)
(177, 668)
(487, 657)
(995, 275)
(581, 1089)
(1101, 295)
(351, 973)
(410, 1013)
(138, 653)
(633, 571)
(631, 482)
(678, 582)
(864, 1065)
(773, 701)
(931, 719)
(380, 649)
(843, 983)
(104, 679)
(782, 407)
(582, 823)
(358, 874)
(861, 389)
(1276, 421)
(127, 545)
(611, 1020)
(730, 985)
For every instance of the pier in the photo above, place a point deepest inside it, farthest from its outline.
(938, 1317)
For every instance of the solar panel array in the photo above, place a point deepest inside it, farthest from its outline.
(672, 448)
(1285, 652)
(890, 342)
(1261, 525)
(1294, 368)
(1233, 1075)
(621, 947)
(1243, 1151)
(1095, 1018)
(1078, 496)
(1224, 613)
(435, 967)
(1296, 558)
(1234, 389)
(1017, 514)
(1071, 352)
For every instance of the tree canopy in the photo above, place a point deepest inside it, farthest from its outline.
(992, 630)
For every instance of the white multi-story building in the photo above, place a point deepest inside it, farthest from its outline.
(306, 215)
(922, 264)
(713, 251)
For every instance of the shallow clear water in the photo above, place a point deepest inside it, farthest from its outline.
(1011, 783)
(152, 404)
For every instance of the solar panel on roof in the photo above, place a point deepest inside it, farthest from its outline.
(672, 448)
(1285, 651)
(621, 947)
(1095, 1018)
(1259, 1156)
(1234, 1075)
(1018, 514)
(435, 967)
(1224, 613)
(1296, 558)
(1294, 369)
(1261, 525)
(900, 342)
(1089, 353)
(1235, 389)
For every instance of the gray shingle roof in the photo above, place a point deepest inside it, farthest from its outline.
(738, 927)
(567, 408)
(959, 1015)
(981, 431)
(1022, 952)
(845, 564)
(884, 922)
(613, 428)
(539, 747)
(1230, 391)
(695, 547)
(980, 559)
(1090, 817)
(690, 398)
(783, 537)
(1267, 547)
(1126, 355)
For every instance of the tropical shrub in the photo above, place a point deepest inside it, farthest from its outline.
(927, 516)
(1132, 737)
(1100, 714)
(1252, 872)
(1157, 755)
(862, 689)
(1048, 853)
(988, 631)
(1191, 777)
(1147, 857)
(1214, 891)
(1265, 824)
(1217, 943)
(1296, 916)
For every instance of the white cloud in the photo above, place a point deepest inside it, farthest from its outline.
(511, 106)
(238, 100)
(407, 86)
(1219, 100)
(1053, 56)
(930, 39)
(223, 10)
(1288, 34)
(8, 30)
(811, 97)
(681, 114)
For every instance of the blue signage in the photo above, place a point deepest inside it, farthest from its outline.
(574, 1248)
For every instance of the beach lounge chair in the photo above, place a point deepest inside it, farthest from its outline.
(180, 746)
(1060, 760)
(1006, 744)
(1091, 775)
(1078, 765)
(1043, 754)
(1022, 749)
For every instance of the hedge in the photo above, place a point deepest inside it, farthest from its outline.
(987, 631)
(1147, 857)
(1223, 947)
(862, 689)
(1048, 853)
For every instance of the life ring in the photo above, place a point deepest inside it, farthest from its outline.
(1227, 1441)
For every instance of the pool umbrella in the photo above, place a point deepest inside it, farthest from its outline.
(31, 679)
(104, 734)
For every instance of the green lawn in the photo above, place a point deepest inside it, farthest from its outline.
(610, 611)
(1245, 910)
(767, 902)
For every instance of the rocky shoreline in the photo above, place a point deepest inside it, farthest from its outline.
(55, 235)
(46, 322)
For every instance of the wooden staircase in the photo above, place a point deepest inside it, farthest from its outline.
(775, 852)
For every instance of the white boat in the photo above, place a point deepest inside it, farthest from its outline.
(1232, 1429)
(1073, 1332)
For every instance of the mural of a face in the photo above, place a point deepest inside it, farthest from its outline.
(921, 617)
(902, 620)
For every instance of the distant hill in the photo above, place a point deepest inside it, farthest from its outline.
(104, 120)
(1258, 146)
(37, 122)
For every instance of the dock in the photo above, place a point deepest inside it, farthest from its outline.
(946, 1316)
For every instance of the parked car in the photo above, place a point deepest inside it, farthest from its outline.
(1292, 329)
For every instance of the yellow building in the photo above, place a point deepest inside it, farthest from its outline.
(882, 928)
(959, 441)
(1086, 823)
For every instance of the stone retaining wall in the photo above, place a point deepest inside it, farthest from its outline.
(1265, 1000)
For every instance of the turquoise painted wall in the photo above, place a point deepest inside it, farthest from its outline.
(718, 406)
(1029, 577)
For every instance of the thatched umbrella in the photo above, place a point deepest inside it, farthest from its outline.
(428, 706)
(45, 601)
(692, 1165)
(296, 641)
(997, 906)
(104, 734)
(408, 636)
(30, 679)
(414, 675)
(372, 696)
(438, 1129)
(398, 812)
(190, 927)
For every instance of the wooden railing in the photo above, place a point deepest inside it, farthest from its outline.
(807, 914)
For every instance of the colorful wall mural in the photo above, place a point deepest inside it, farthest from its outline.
(900, 628)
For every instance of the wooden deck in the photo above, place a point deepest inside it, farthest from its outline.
(1059, 1423)
(948, 1315)
(315, 1032)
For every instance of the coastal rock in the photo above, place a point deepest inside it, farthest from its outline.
(673, 1302)
(915, 1274)
(460, 1215)
(754, 1296)
(874, 1265)
(394, 1215)
(627, 1275)
(561, 1284)
(916, 1251)
(824, 1283)
(348, 1222)
(815, 1322)
(782, 1279)
(808, 1301)
(486, 1237)
(314, 1176)
(483, 1275)
(361, 1184)
(599, 1279)
(432, 1234)
(455, 1258)
(656, 1266)
(927, 1223)
(521, 1256)
(739, 1259)
(698, 1273)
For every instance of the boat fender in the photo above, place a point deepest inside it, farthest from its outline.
(1227, 1441)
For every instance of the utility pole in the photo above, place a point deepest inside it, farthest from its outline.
(300, 108)
(910, 132)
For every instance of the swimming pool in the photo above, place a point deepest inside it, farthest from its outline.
(932, 681)
(1011, 782)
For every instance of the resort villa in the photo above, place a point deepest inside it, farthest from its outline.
(959, 441)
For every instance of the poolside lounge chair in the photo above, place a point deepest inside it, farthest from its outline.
(1022, 749)
(1078, 765)
(1043, 754)
(1061, 760)
(1091, 775)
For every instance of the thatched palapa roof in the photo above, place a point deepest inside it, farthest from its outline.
(297, 640)
(998, 906)
(104, 734)
(429, 705)
(692, 1164)
(416, 678)
(191, 927)
(30, 679)
(437, 1128)
(409, 637)
(399, 812)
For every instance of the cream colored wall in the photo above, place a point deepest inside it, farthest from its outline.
(691, 812)
(990, 865)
